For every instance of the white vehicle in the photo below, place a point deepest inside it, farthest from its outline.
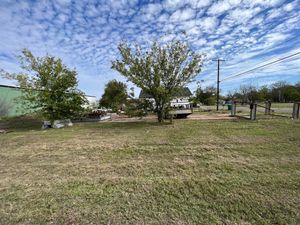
(181, 110)
(181, 106)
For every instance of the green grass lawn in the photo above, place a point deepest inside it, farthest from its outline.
(189, 172)
(282, 105)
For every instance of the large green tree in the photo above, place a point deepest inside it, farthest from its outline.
(160, 71)
(115, 95)
(49, 86)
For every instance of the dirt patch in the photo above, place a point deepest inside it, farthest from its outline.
(215, 116)
(132, 119)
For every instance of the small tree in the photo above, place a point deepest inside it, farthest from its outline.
(249, 94)
(277, 91)
(50, 87)
(264, 93)
(115, 95)
(160, 71)
(206, 96)
(290, 94)
(137, 107)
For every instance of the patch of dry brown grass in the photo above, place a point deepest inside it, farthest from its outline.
(189, 172)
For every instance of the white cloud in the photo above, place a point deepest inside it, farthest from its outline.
(85, 35)
(241, 15)
(173, 4)
(182, 15)
(199, 4)
(200, 42)
(222, 7)
(256, 21)
(63, 2)
(219, 8)
(209, 24)
(290, 6)
(152, 8)
(273, 38)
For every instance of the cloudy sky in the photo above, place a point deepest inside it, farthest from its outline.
(85, 35)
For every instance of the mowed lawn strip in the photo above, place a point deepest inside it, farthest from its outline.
(189, 172)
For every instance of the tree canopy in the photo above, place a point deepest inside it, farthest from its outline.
(115, 95)
(160, 71)
(206, 96)
(277, 92)
(49, 86)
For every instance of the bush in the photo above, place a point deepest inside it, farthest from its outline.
(136, 108)
(209, 101)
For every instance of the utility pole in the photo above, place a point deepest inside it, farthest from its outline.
(218, 81)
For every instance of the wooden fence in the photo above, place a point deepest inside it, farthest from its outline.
(267, 110)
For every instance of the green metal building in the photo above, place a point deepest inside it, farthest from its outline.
(8, 95)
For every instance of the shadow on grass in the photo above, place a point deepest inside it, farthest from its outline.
(26, 123)
(124, 125)
(21, 123)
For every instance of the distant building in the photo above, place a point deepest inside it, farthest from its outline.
(182, 99)
(8, 95)
(92, 102)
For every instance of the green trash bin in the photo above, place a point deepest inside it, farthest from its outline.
(229, 107)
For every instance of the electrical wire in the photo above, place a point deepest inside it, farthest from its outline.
(262, 66)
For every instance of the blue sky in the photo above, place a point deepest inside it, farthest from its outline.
(85, 34)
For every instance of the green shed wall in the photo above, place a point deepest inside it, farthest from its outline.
(9, 95)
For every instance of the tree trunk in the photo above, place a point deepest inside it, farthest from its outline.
(160, 111)
(160, 116)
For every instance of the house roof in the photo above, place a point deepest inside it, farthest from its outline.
(183, 92)
(8, 86)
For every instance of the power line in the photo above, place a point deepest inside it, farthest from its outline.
(275, 48)
(262, 66)
(295, 37)
(294, 68)
(292, 59)
(282, 69)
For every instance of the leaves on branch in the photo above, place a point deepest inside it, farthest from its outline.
(49, 87)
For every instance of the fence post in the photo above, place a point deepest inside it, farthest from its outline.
(296, 110)
(267, 107)
(233, 108)
(253, 108)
